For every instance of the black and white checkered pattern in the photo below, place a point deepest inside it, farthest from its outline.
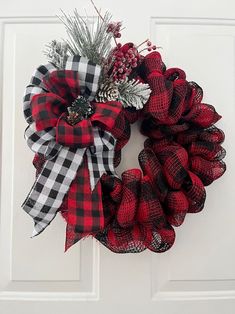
(42, 142)
(89, 74)
(52, 184)
(100, 156)
(35, 87)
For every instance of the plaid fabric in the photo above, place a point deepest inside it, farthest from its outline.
(106, 114)
(50, 187)
(126, 214)
(174, 160)
(85, 210)
(139, 220)
(167, 102)
(46, 108)
(49, 135)
(57, 175)
(207, 170)
(183, 153)
(152, 168)
(195, 192)
(101, 156)
(35, 87)
(42, 142)
(87, 81)
(177, 206)
(78, 135)
(89, 74)
(82, 133)
(64, 83)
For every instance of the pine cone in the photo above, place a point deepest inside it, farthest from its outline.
(80, 109)
(108, 91)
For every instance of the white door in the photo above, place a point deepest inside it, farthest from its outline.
(197, 275)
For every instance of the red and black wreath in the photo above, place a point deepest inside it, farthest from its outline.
(79, 108)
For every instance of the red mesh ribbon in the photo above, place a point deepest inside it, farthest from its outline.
(136, 221)
(183, 153)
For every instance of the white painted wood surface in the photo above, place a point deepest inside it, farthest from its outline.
(197, 275)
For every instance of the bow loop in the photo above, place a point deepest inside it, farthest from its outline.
(46, 109)
(89, 74)
(63, 83)
(106, 114)
(42, 142)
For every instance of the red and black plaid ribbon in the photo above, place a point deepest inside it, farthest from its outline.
(77, 155)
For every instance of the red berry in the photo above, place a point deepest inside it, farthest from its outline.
(154, 47)
(149, 49)
(149, 43)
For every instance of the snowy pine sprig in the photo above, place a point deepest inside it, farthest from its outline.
(56, 53)
(133, 93)
(88, 38)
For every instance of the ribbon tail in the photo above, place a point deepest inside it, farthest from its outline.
(51, 186)
(85, 208)
(100, 157)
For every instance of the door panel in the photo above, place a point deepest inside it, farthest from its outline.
(197, 275)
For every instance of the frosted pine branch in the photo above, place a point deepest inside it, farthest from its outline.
(133, 93)
(56, 53)
(88, 39)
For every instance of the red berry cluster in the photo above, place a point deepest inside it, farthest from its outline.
(150, 46)
(115, 28)
(124, 59)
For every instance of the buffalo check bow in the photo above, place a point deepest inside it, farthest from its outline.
(67, 148)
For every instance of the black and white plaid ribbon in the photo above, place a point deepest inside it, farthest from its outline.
(36, 86)
(89, 74)
(62, 163)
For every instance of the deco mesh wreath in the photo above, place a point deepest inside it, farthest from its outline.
(79, 108)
